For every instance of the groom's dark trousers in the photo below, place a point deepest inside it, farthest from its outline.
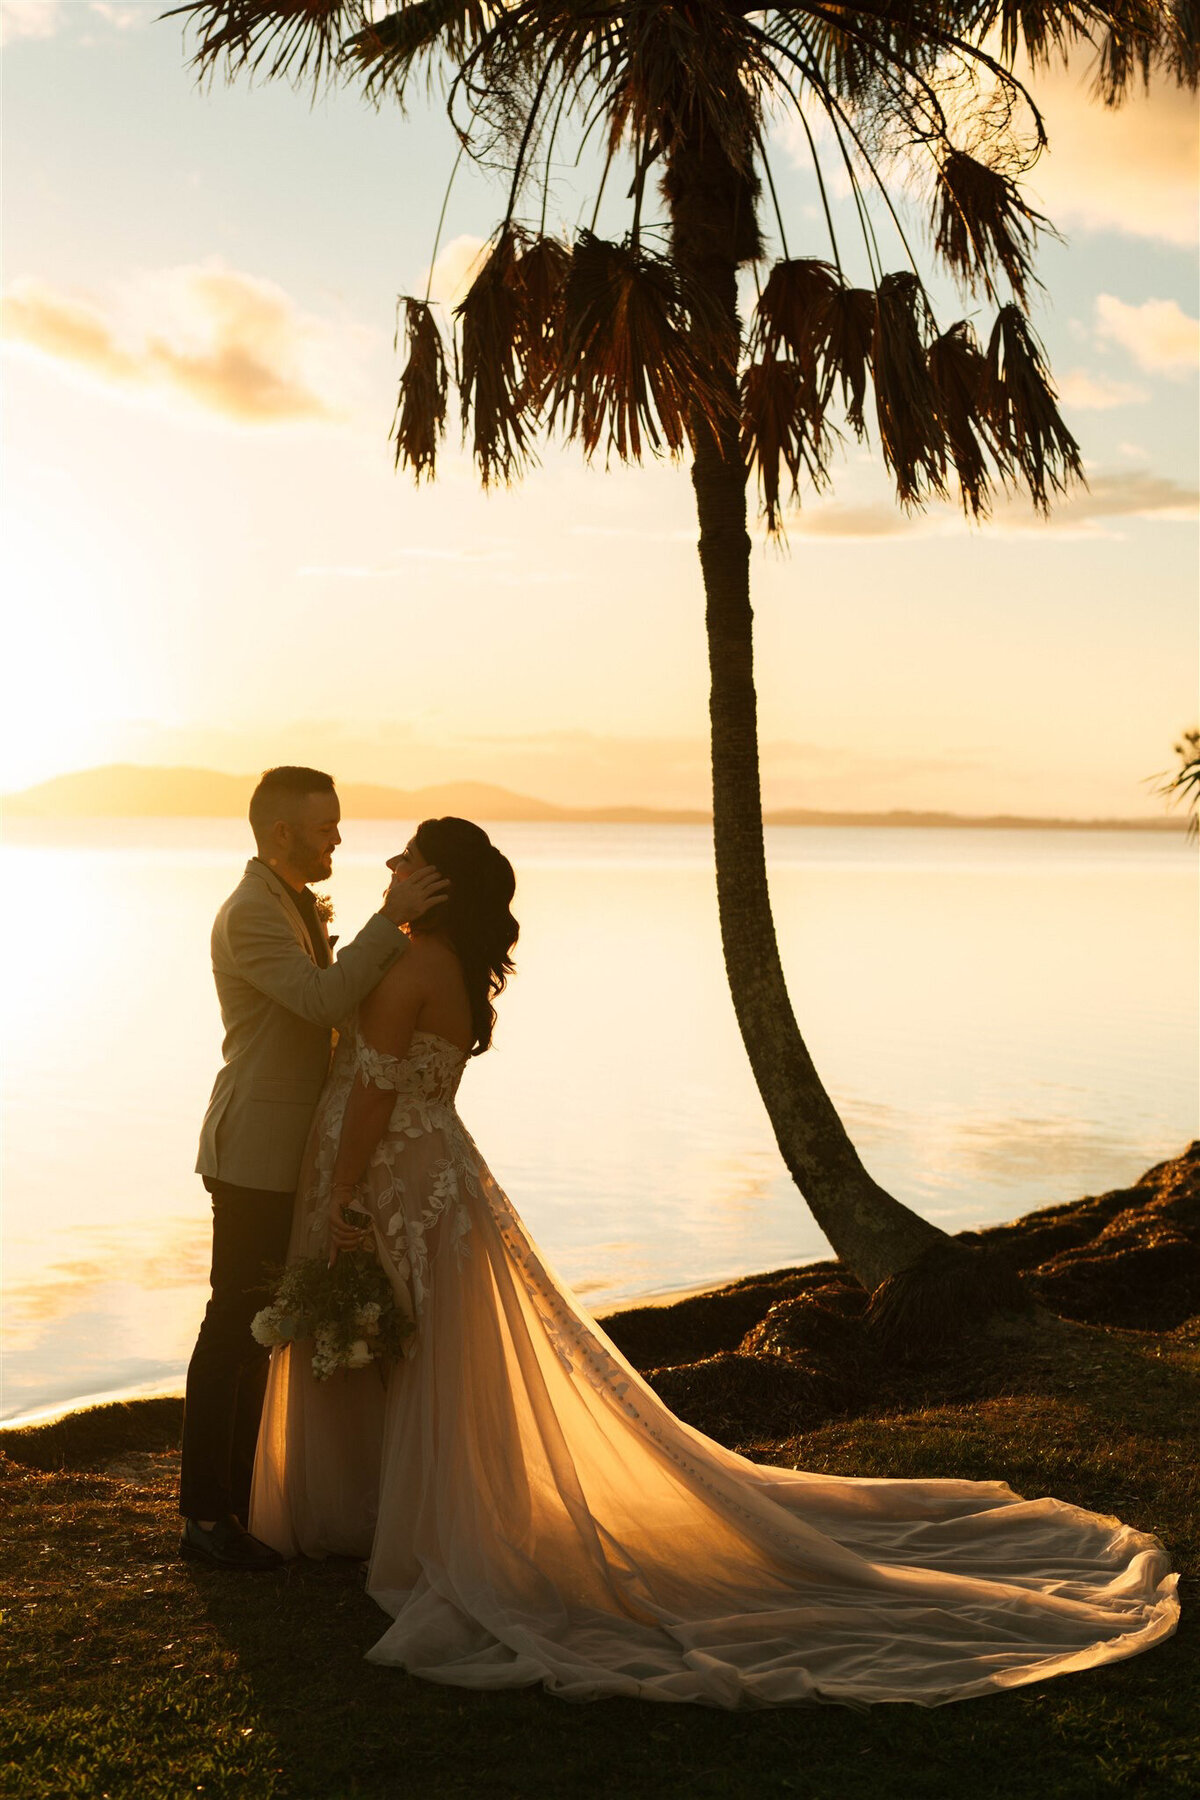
(227, 1375)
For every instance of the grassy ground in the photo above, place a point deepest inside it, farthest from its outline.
(131, 1674)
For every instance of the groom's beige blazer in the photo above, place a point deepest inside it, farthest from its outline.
(279, 1009)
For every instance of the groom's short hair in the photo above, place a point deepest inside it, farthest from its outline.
(279, 790)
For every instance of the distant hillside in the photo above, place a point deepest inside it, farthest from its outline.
(131, 791)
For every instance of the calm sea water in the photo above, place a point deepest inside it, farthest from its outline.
(1006, 1020)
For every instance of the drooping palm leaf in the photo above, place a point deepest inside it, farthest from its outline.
(846, 350)
(541, 269)
(910, 429)
(420, 421)
(982, 223)
(790, 318)
(498, 408)
(959, 374)
(1020, 404)
(781, 429)
(627, 368)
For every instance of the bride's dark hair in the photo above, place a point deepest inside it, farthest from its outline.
(475, 915)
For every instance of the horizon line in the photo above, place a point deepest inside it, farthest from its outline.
(40, 799)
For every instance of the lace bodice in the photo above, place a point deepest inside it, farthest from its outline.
(418, 1179)
(427, 1075)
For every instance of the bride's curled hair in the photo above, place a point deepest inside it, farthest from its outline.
(475, 914)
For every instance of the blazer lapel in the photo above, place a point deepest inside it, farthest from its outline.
(259, 869)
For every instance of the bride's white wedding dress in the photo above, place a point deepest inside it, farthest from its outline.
(534, 1513)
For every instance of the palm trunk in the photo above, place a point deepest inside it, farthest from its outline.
(712, 218)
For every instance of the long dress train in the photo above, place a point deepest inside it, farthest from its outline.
(534, 1513)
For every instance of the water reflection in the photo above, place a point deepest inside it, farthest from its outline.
(1005, 1020)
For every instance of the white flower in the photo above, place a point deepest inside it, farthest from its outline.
(358, 1355)
(367, 1318)
(264, 1327)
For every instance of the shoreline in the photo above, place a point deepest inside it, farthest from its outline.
(1102, 1259)
(136, 1673)
(170, 1387)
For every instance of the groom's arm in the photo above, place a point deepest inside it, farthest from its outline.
(256, 942)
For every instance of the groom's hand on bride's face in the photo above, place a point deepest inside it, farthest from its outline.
(410, 895)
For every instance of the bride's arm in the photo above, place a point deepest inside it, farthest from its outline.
(386, 1021)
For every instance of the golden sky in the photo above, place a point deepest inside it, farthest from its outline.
(209, 559)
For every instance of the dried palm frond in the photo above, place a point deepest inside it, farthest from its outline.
(1135, 37)
(959, 372)
(297, 39)
(1027, 428)
(790, 318)
(541, 268)
(910, 430)
(846, 349)
(981, 223)
(781, 429)
(496, 398)
(420, 420)
(627, 367)
(387, 49)
(1181, 50)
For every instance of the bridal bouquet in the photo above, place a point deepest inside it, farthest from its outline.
(349, 1312)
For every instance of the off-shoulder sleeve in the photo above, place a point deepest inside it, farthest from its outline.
(376, 1068)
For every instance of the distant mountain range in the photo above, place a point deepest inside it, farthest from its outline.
(130, 790)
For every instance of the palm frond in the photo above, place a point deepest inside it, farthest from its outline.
(790, 317)
(781, 429)
(627, 370)
(387, 50)
(959, 374)
(1183, 785)
(849, 332)
(420, 421)
(1030, 435)
(541, 269)
(981, 223)
(910, 429)
(497, 405)
(298, 40)
(1181, 50)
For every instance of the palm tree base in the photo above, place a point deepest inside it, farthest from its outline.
(949, 1290)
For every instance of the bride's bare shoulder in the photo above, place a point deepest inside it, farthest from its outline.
(428, 961)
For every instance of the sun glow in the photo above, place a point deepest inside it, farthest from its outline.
(71, 673)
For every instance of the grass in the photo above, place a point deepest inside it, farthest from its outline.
(132, 1674)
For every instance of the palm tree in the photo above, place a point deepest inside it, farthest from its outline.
(638, 344)
(1184, 784)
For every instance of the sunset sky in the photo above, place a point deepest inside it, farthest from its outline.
(209, 559)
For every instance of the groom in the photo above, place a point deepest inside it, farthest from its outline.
(281, 994)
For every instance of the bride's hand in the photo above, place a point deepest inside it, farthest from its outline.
(342, 1234)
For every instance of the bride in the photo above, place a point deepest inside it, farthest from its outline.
(533, 1512)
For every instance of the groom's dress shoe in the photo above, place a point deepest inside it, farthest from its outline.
(227, 1545)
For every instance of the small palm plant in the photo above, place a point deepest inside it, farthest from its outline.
(637, 344)
(1183, 785)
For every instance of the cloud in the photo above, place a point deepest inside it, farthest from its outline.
(1158, 334)
(29, 19)
(227, 342)
(1097, 393)
(454, 270)
(44, 18)
(1132, 494)
(1130, 169)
